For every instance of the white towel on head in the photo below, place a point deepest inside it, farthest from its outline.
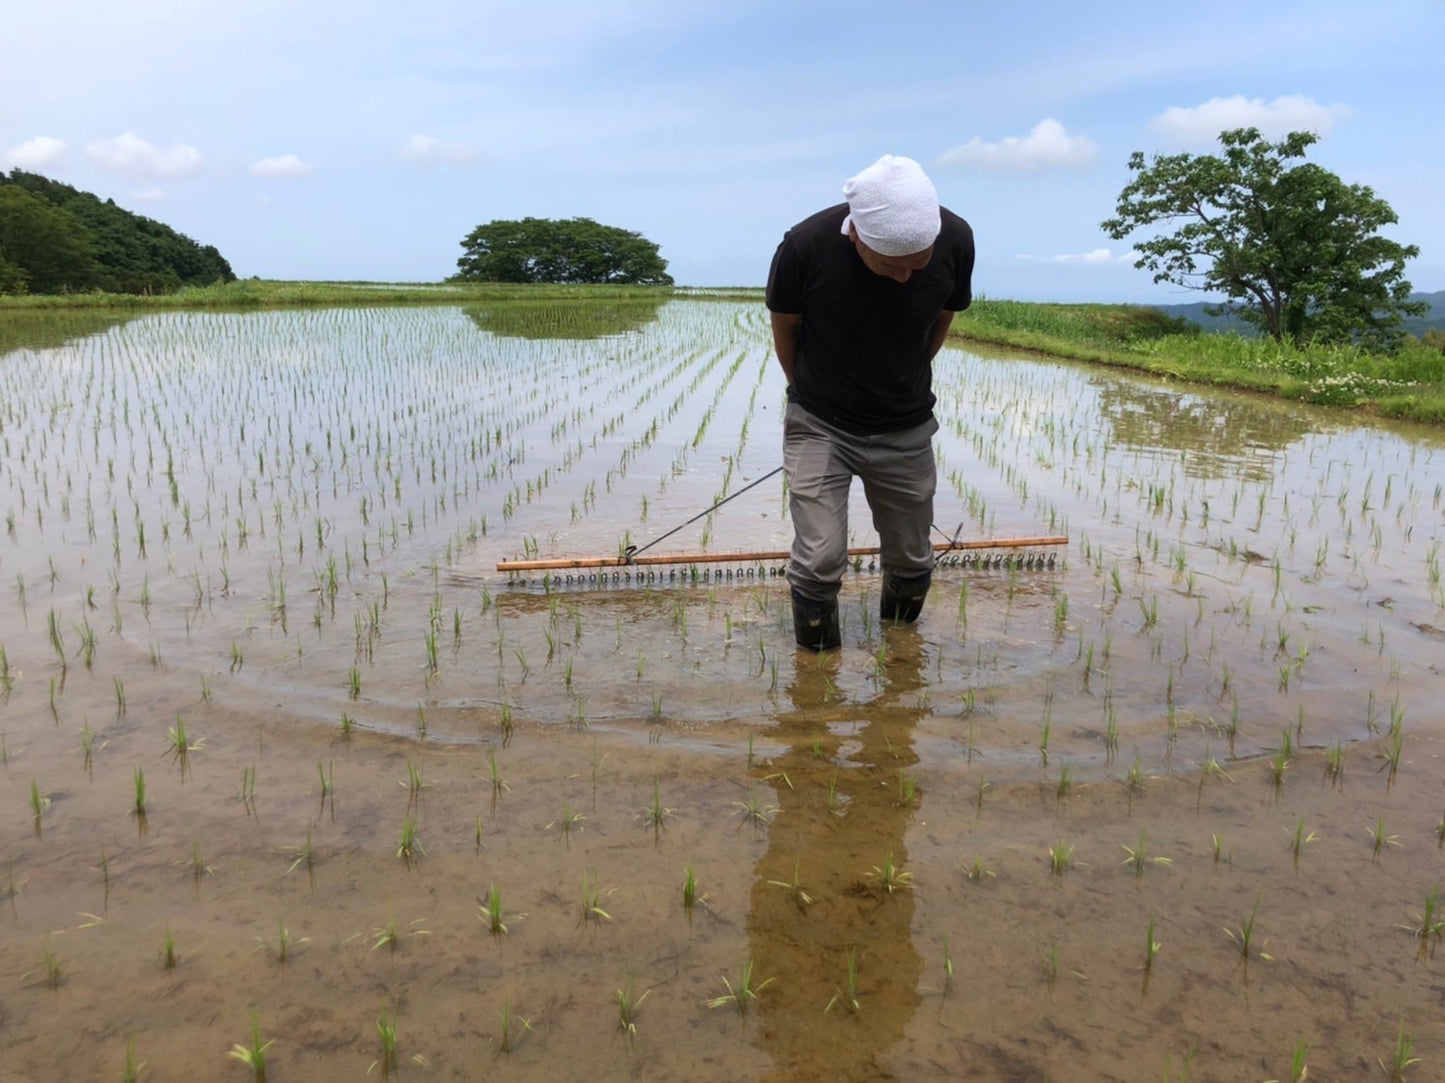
(893, 206)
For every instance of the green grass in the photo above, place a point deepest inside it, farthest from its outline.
(1407, 384)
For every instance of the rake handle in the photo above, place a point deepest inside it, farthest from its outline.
(758, 556)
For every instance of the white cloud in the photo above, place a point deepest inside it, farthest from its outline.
(1290, 113)
(285, 165)
(1047, 147)
(37, 153)
(1098, 255)
(131, 154)
(423, 150)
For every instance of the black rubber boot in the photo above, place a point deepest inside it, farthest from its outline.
(815, 623)
(903, 596)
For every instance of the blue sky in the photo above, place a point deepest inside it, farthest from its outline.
(363, 140)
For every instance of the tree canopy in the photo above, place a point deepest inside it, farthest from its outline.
(1295, 250)
(55, 238)
(572, 250)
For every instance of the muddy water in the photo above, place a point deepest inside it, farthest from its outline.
(279, 530)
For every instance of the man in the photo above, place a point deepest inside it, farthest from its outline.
(861, 297)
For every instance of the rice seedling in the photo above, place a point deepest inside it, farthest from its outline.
(754, 810)
(1134, 781)
(248, 787)
(1051, 963)
(1216, 842)
(199, 867)
(1299, 838)
(592, 896)
(1379, 840)
(569, 821)
(977, 871)
(386, 1032)
(891, 878)
(490, 911)
(1428, 927)
(253, 1056)
(131, 1070)
(1066, 783)
(1211, 768)
(409, 847)
(1395, 743)
(1403, 1056)
(38, 803)
(980, 789)
(800, 898)
(1278, 764)
(1061, 857)
(1151, 946)
(138, 808)
(744, 994)
(1243, 936)
(1138, 855)
(168, 950)
(413, 783)
(508, 1022)
(304, 856)
(1440, 833)
(907, 790)
(53, 968)
(347, 722)
(655, 814)
(628, 1002)
(1335, 763)
(847, 995)
(498, 784)
(690, 897)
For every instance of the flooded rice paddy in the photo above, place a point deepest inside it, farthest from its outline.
(291, 773)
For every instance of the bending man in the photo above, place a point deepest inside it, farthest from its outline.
(861, 297)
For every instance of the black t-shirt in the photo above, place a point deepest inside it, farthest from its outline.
(863, 361)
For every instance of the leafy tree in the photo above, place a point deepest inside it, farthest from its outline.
(573, 250)
(1294, 249)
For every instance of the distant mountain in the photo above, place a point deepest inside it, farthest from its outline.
(1196, 312)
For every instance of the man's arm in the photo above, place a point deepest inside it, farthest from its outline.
(787, 334)
(936, 337)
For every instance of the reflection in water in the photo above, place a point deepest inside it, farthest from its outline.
(841, 817)
(49, 329)
(573, 318)
(1219, 436)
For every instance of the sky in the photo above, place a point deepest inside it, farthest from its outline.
(314, 139)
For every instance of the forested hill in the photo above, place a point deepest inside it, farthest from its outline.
(57, 239)
(1198, 312)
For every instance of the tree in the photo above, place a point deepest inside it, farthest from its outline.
(1294, 249)
(573, 250)
(43, 249)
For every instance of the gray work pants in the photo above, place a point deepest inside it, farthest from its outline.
(899, 478)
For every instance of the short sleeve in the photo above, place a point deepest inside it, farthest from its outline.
(785, 279)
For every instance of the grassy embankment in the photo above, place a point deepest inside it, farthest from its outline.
(1409, 384)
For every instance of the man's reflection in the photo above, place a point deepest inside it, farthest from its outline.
(841, 788)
